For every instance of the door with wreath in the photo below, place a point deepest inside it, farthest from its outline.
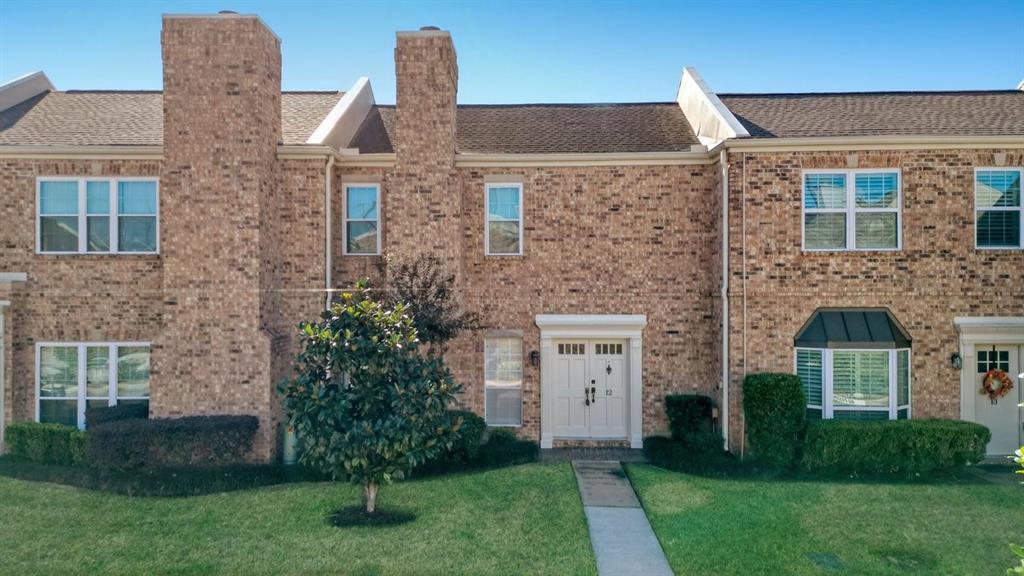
(999, 389)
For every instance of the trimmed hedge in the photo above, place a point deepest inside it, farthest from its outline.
(102, 415)
(468, 438)
(893, 446)
(776, 416)
(190, 441)
(704, 457)
(689, 416)
(501, 448)
(46, 443)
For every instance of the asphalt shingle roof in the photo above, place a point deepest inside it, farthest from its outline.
(983, 113)
(122, 118)
(549, 128)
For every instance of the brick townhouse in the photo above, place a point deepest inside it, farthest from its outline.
(161, 247)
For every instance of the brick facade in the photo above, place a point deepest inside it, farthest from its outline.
(774, 286)
(242, 247)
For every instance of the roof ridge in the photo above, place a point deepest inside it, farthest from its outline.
(869, 93)
(129, 91)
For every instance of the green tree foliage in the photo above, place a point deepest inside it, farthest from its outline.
(366, 403)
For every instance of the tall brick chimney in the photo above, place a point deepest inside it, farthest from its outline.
(222, 124)
(423, 204)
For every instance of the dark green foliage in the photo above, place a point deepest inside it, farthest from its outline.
(99, 416)
(366, 404)
(426, 290)
(469, 431)
(776, 417)
(182, 481)
(704, 455)
(190, 441)
(899, 447)
(689, 415)
(502, 448)
(46, 443)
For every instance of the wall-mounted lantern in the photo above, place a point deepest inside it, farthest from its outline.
(956, 360)
(534, 358)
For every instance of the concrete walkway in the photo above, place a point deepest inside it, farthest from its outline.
(623, 541)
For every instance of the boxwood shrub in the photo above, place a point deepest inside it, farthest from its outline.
(469, 436)
(46, 443)
(905, 447)
(190, 441)
(101, 415)
(775, 412)
(689, 416)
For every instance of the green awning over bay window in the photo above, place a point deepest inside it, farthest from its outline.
(859, 328)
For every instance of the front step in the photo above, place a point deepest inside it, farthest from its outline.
(614, 454)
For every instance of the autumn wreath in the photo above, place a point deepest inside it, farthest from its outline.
(996, 384)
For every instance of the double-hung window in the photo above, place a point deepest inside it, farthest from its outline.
(851, 210)
(855, 384)
(503, 229)
(503, 381)
(72, 377)
(362, 219)
(999, 216)
(97, 215)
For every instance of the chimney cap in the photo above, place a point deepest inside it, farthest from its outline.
(227, 12)
(429, 28)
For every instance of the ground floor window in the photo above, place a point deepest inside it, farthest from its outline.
(503, 381)
(71, 377)
(855, 384)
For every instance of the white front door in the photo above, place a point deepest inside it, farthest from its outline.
(589, 387)
(1004, 418)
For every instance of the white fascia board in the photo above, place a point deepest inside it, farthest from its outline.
(22, 88)
(1021, 85)
(711, 120)
(341, 123)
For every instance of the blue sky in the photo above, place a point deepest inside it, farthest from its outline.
(555, 52)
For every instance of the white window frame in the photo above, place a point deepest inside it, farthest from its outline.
(828, 407)
(487, 218)
(851, 209)
(83, 232)
(345, 219)
(522, 376)
(81, 398)
(1018, 209)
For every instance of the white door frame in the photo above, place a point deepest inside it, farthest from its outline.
(974, 330)
(593, 326)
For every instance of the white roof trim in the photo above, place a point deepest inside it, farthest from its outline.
(340, 124)
(581, 320)
(711, 120)
(479, 160)
(22, 88)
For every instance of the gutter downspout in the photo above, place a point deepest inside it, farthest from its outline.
(328, 257)
(723, 161)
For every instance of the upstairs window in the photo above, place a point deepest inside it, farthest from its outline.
(72, 377)
(102, 216)
(997, 204)
(362, 219)
(851, 210)
(503, 230)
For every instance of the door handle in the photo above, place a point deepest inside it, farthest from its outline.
(586, 397)
(593, 394)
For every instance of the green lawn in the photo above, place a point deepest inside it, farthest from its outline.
(519, 520)
(725, 526)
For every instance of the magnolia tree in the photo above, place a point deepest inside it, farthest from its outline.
(367, 403)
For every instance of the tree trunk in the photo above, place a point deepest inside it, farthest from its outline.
(370, 495)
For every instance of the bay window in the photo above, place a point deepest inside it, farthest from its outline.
(71, 377)
(854, 365)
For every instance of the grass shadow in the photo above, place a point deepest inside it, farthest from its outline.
(357, 516)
